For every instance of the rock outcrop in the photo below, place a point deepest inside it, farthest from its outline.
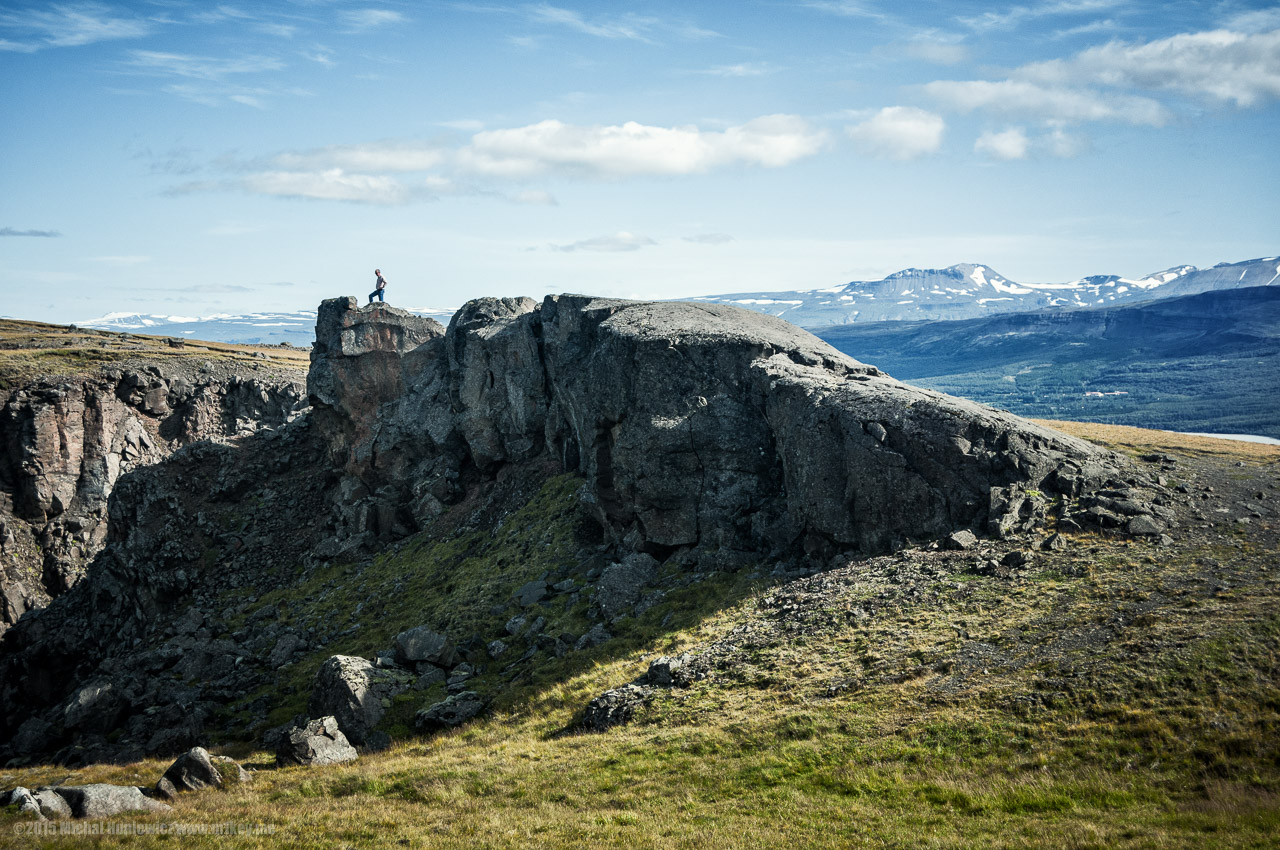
(696, 426)
(66, 444)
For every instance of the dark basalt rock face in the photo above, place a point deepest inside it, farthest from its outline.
(65, 444)
(696, 425)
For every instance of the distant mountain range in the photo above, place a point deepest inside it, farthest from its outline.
(963, 291)
(295, 328)
(1208, 362)
(967, 291)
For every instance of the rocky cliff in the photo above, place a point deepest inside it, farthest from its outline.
(66, 442)
(696, 426)
(704, 437)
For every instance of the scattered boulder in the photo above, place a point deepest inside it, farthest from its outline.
(422, 644)
(668, 671)
(355, 693)
(531, 593)
(1145, 526)
(283, 650)
(320, 742)
(962, 540)
(1054, 543)
(101, 801)
(595, 637)
(454, 710)
(615, 707)
(194, 770)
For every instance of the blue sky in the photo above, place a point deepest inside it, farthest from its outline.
(192, 158)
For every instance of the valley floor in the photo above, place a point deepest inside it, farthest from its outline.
(1114, 692)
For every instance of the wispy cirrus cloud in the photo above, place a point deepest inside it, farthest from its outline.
(628, 26)
(617, 242)
(740, 69)
(1016, 15)
(43, 234)
(199, 67)
(845, 8)
(68, 25)
(899, 132)
(361, 20)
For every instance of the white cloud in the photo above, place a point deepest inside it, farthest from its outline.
(1007, 144)
(844, 8)
(368, 157)
(371, 172)
(1257, 20)
(621, 241)
(1060, 103)
(1239, 68)
(630, 29)
(937, 52)
(1016, 15)
(535, 197)
(709, 238)
(1064, 145)
(367, 19)
(633, 149)
(13, 231)
(899, 132)
(742, 69)
(1121, 81)
(70, 25)
(1015, 143)
(331, 185)
(200, 67)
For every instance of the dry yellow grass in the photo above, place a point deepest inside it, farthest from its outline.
(1142, 440)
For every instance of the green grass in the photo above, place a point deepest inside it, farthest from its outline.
(1108, 699)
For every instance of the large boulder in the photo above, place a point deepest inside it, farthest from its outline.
(101, 801)
(320, 742)
(454, 710)
(355, 693)
(422, 644)
(194, 770)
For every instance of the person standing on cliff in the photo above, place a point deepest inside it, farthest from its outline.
(382, 284)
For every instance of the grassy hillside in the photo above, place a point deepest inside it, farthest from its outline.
(32, 350)
(1115, 693)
